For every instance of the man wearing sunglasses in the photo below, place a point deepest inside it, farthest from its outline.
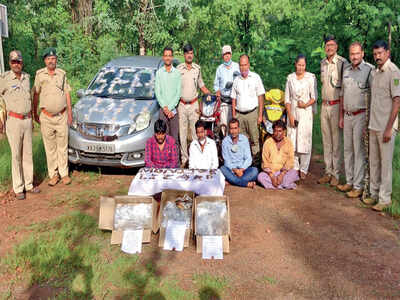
(15, 90)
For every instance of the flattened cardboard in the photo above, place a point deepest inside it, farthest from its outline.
(225, 238)
(171, 195)
(107, 212)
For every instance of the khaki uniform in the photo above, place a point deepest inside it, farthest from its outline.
(17, 98)
(188, 113)
(331, 78)
(385, 86)
(52, 91)
(355, 92)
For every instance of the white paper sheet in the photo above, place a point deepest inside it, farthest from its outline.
(212, 247)
(174, 235)
(132, 241)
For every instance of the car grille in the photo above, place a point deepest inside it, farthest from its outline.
(99, 132)
(116, 156)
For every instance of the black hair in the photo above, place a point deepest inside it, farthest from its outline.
(168, 49)
(280, 124)
(199, 124)
(187, 48)
(300, 56)
(233, 121)
(330, 37)
(160, 126)
(244, 55)
(380, 44)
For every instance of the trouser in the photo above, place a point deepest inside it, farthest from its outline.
(249, 127)
(55, 139)
(249, 175)
(331, 138)
(225, 113)
(354, 149)
(380, 159)
(19, 134)
(172, 126)
(188, 116)
(302, 162)
(288, 181)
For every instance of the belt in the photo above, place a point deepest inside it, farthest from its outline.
(248, 111)
(53, 115)
(20, 116)
(354, 113)
(331, 102)
(190, 102)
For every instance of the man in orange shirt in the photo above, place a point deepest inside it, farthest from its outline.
(278, 161)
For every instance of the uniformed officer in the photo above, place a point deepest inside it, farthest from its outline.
(188, 108)
(353, 119)
(331, 76)
(383, 125)
(52, 88)
(15, 90)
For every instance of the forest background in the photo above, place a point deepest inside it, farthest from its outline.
(89, 33)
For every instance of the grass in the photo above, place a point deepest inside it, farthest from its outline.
(80, 199)
(75, 260)
(394, 210)
(39, 160)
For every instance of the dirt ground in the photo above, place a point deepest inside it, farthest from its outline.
(312, 243)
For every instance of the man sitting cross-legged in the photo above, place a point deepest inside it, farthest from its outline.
(278, 160)
(237, 158)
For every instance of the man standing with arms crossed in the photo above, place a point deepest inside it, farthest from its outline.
(189, 106)
(168, 91)
(15, 90)
(354, 100)
(53, 90)
(248, 96)
(383, 125)
(331, 76)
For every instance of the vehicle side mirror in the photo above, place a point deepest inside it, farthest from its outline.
(80, 93)
(236, 74)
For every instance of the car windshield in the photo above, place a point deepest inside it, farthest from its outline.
(124, 82)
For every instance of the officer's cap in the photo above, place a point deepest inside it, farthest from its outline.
(49, 52)
(15, 55)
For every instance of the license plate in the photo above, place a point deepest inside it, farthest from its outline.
(100, 148)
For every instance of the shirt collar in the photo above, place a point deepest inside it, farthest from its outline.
(334, 59)
(165, 69)
(385, 66)
(248, 76)
(239, 140)
(13, 76)
(359, 67)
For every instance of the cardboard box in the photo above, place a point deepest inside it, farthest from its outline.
(171, 195)
(225, 238)
(107, 212)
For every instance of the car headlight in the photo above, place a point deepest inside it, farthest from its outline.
(74, 124)
(142, 121)
(132, 128)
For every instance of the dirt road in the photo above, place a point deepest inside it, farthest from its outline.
(312, 243)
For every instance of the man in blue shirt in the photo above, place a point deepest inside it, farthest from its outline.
(224, 77)
(237, 158)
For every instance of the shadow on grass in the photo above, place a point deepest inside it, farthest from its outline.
(208, 293)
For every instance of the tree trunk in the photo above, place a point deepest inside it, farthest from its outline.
(141, 25)
(390, 35)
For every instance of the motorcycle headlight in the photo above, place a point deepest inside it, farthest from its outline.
(142, 121)
(132, 128)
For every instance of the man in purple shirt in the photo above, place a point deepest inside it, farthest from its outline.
(161, 151)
